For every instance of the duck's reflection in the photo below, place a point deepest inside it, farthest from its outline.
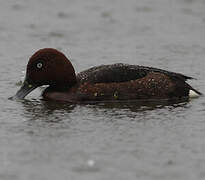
(142, 105)
(45, 110)
(54, 111)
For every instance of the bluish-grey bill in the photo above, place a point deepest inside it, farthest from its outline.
(25, 89)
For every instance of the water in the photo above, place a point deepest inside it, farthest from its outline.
(44, 140)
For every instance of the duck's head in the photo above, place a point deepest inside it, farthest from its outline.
(47, 67)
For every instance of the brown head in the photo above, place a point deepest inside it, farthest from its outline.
(47, 67)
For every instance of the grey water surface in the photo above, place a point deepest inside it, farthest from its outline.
(47, 141)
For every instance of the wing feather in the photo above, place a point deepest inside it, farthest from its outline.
(122, 73)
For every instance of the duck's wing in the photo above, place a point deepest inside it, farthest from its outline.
(122, 73)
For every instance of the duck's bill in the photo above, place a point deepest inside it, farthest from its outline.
(25, 89)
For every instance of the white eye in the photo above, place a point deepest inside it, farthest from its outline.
(39, 65)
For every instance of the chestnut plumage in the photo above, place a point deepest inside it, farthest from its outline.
(101, 83)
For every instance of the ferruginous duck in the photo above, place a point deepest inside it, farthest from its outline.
(101, 83)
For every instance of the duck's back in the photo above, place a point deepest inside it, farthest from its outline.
(122, 73)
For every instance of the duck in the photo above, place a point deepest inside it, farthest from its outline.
(115, 82)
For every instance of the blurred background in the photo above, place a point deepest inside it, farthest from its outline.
(44, 140)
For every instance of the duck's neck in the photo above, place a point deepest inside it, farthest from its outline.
(61, 87)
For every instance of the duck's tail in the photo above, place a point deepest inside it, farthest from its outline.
(193, 93)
